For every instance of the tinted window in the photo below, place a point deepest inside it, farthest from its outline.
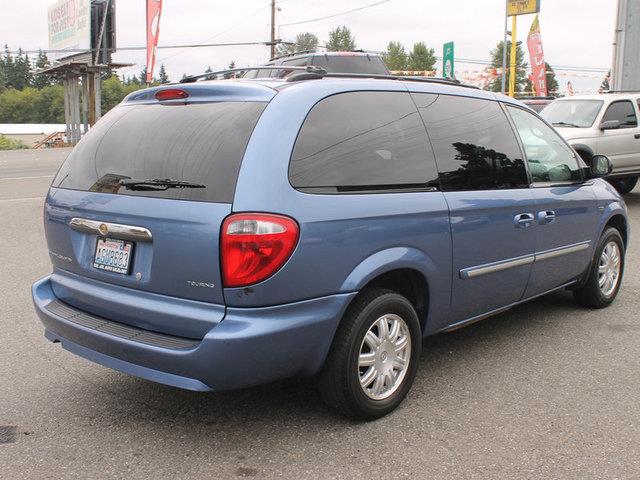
(199, 143)
(623, 112)
(362, 141)
(474, 144)
(550, 159)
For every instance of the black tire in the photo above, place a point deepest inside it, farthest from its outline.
(589, 294)
(624, 185)
(339, 380)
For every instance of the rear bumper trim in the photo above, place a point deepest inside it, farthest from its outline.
(250, 346)
(117, 329)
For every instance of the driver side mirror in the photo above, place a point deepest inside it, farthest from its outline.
(610, 125)
(601, 166)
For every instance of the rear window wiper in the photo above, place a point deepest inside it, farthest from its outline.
(157, 184)
(565, 124)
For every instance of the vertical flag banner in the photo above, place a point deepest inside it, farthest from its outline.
(536, 56)
(154, 7)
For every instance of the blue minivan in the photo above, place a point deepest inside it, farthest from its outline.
(221, 234)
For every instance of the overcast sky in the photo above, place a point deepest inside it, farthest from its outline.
(574, 32)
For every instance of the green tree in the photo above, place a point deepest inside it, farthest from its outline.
(521, 67)
(142, 77)
(41, 80)
(162, 75)
(303, 42)
(421, 57)
(340, 39)
(395, 57)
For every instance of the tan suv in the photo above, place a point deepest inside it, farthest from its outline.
(604, 124)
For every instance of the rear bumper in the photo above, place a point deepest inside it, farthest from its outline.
(249, 347)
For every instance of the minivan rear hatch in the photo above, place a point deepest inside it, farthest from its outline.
(139, 203)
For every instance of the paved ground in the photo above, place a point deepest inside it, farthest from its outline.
(547, 390)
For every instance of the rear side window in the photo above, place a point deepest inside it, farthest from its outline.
(474, 144)
(362, 141)
(622, 111)
(200, 144)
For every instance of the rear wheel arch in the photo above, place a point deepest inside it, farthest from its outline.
(408, 282)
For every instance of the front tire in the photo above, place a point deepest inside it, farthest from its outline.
(624, 185)
(605, 273)
(374, 356)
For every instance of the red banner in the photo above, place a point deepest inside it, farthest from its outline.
(536, 56)
(154, 7)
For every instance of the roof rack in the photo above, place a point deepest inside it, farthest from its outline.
(232, 71)
(316, 73)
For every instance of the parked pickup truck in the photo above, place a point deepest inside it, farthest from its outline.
(603, 124)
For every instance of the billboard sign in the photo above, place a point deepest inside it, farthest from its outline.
(522, 7)
(70, 26)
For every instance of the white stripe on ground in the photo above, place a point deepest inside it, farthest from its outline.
(26, 178)
(23, 199)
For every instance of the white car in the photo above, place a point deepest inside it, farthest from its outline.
(603, 124)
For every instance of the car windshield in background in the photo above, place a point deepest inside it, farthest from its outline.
(186, 152)
(372, 65)
(572, 113)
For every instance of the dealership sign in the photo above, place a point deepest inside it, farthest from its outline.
(522, 7)
(69, 25)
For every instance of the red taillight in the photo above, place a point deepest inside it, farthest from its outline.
(171, 94)
(254, 246)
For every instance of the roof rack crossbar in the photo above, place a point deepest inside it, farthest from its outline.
(194, 78)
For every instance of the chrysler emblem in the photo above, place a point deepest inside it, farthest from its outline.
(103, 229)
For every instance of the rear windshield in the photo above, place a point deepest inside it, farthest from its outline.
(197, 147)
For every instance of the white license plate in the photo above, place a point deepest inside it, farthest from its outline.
(113, 255)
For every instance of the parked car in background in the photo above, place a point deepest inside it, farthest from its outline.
(603, 124)
(333, 62)
(263, 229)
(537, 103)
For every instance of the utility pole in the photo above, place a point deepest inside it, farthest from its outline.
(504, 53)
(273, 28)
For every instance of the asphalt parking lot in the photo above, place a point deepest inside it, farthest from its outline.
(546, 390)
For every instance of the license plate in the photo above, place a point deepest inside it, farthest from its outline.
(113, 255)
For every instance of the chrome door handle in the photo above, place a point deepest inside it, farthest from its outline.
(523, 220)
(546, 217)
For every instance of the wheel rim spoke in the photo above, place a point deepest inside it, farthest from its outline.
(609, 266)
(384, 356)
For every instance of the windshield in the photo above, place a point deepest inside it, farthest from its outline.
(572, 113)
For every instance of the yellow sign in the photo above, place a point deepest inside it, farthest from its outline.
(522, 7)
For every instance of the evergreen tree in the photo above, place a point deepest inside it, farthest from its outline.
(142, 78)
(41, 80)
(231, 66)
(162, 75)
(395, 58)
(303, 42)
(521, 67)
(422, 58)
(340, 39)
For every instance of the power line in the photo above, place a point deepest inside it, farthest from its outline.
(165, 47)
(334, 15)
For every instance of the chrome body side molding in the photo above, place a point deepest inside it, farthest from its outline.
(116, 230)
(472, 272)
(557, 252)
